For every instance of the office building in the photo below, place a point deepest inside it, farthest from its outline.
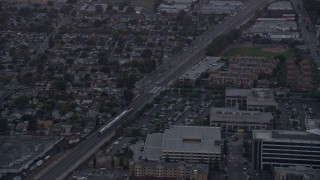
(236, 120)
(255, 99)
(272, 148)
(192, 144)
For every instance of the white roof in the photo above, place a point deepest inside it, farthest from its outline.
(204, 65)
(194, 139)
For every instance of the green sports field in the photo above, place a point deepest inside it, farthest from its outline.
(255, 52)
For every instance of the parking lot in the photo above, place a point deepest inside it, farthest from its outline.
(294, 115)
(175, 108)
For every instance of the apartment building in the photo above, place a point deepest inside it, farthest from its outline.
(167, 170)
(242, 72)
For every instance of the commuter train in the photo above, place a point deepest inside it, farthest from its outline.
(115, 120)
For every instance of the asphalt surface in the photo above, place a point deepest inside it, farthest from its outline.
(85, 149)
(235, 169)
(310, 38)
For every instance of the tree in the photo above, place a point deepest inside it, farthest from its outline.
(127, 95)
(25, 11)
(212, 18)
(21, 101)
(146, 54)
(51, 42)
(167, 158)
(72, 1)
(32, 125)
(139, 41)
(94, 162)
(216, 164)
(112, 162)
(99, 8)
(3, 125)
(70, 61)
(60, 85)
(26, 117)
(225, 147)
(187, 21)
(121, 162)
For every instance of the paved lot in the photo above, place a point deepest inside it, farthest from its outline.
(235, 160)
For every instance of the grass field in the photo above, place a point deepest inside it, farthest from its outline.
(256, 52)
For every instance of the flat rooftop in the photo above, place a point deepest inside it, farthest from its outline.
(286, 136)
(208, 63)
(237, 92)
(280, 5)
(193, 139)
(261, 96)
(225, 3)
(254, 96)
(153, 146)
(273, 26)
(235, 115)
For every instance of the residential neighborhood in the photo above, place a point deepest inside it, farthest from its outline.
(159, 89)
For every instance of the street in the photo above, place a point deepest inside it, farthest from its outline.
(236, 169)
(310, 38)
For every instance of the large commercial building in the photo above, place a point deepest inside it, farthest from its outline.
(272, 148)
(184, 143)
(233, 119)
(167, 170)
(255, 99)
(207, 64)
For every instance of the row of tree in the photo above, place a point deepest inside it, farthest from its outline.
(221, 42)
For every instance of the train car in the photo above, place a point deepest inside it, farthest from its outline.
(115, 120)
